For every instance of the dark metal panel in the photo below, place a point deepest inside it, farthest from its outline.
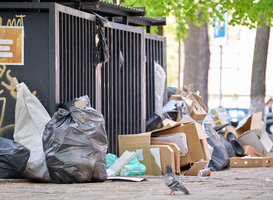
(121, 106)
(155, 50)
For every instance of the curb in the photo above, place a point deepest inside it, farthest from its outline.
(16, 181)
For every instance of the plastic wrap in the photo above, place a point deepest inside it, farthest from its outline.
(13, 159)
(217, 118)
(160, 78)
(30, 120)
(75, 144)
(133, 168)
(153, 122)
(110, 159)
(219, 157)
(102, 51)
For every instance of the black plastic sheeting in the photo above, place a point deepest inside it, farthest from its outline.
(13, 159)
(153, 122)
(102, 50)
(75, 144)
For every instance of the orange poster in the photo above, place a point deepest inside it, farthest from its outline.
(11, 45)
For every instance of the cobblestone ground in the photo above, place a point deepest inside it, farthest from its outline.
(232, 183)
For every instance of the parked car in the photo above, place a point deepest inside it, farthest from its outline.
(236, 114)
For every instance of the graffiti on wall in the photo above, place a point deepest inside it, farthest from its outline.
(7, 89)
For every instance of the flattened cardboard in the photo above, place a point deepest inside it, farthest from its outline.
(251, 151)
(168, 129)
(176, 150)
(230, 128)
(193, 171)
(186, 120)
(185, 160)
(173, 138)
(193, 96)
(194, 134)
(177, 97)
(252, 122)
(166, 156)
(140, 143)
(206, 152)
(170, 122)
(263, 144)
(251, 162)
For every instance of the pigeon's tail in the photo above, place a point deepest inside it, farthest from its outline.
(186, 192)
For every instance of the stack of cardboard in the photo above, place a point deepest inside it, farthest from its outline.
(197, 148)
(255, 140)
(193, 100)
(180, 143)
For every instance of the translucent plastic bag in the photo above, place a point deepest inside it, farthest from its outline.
(133, 168)
(110, 159)
(30, 120)
(75, 144)
(160, 78)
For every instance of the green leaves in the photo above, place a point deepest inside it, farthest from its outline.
(243, 12)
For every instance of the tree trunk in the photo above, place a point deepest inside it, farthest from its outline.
(197, 59)
(257, 95)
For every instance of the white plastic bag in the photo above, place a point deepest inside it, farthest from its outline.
(30, 120)
(160, 78)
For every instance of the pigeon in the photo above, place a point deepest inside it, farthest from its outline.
(172, 181)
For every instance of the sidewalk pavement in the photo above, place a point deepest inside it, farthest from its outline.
(231, 183)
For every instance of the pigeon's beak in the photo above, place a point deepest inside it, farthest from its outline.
(165, 166)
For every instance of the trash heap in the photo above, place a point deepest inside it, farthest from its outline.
(191, 138)
(70, 147)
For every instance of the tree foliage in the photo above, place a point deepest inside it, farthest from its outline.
(244, 12)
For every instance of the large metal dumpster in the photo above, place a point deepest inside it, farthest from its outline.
(59, 65)
(58, 56)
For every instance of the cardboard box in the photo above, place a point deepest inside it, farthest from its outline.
(194, 133)
(252, 122)
(262, 144)
(230, 128)
(197, 146)
(251, 162)
(140, 143)
(166, 156)
(193, 96)
(195, 110)
(175, 138)
(176, 150)
(251, 151)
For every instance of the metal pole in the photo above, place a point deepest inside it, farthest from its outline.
(179, 61)
(220, 95)
(179, 52)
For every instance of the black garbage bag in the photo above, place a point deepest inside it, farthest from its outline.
(75, 144)
(153, 122)
(229, 148)
(13, 159)
(219, 157)
(102, 51)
